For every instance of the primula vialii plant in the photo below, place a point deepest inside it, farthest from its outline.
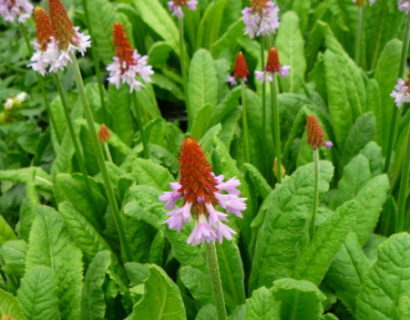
(240, 70)
(57, 39)
(15, 10)
(261, 18)
(176, 6)
(202, 191)
(272, 67)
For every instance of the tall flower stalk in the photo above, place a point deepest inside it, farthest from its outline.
(201, 192)
(268, 74)
(315, 136)
(129, 68)
(359, 33)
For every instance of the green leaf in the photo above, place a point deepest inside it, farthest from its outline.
(49, 245)
(284, 229)
(258, 182)
(6, 232)
(92, 299)
(198, 283)
(162, 299)
(38, 294)
(159, 20)
(262, 306)
(387, 281)
(360, 134)
(9, 306)
(347, 271)
(13, 254)
(290, 45)
(24, 175)
(375, 156)
(299, 299)
(201, 121)
(316, 258)
(404, 308)
(202, 84)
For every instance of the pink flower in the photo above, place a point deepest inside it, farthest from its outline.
(176, 7)
(261, 19)
(272, 66)
(404, 5)
(401, 93)
(15, 10)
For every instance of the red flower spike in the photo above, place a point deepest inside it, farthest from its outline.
(272, 63)
(123, 49)
(314, 132)
(258, 5)
(196, 180)
(63, 28)
(241, 68)
(180, 3)
(104, 133)
(44, 29)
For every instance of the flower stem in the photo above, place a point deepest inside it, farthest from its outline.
(96, 60)
(264, 140)
(395, 115)
(315, 192)
(245, 122)
(100, 160)
(404, 183)
(215, 275)
(182, 50)
(107, 153)
(78, 152)
(40, 80)
(276, 127)
(141, 126)
(359, 34)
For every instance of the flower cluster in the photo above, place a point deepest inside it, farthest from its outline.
(261, 19)
(401, 92)
(272, 66)
(404, 5)
(202, 191)
(128, 67)
(315, 133)
(15, 10)
(57, 39)
(176, 7)
(240, 70)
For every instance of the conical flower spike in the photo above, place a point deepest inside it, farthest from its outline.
(272, 66)
(201, 191)
(240, 70)
(315, 134)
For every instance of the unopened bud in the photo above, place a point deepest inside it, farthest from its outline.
(104, 134)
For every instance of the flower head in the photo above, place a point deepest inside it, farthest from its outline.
(404, 5)
(104, 133)
(57, 39)
(15, 10)
(240, 70)
(128, 67)
(363, 2)
(261, 18)
(272, 66)
(176, 7)
(401, 92)
(315, 134)
(202, 191)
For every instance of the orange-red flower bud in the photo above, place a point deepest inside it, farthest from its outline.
(44, 29)
(272, 63)
(104, 133)
(240, 68)
(63, 28)
(197, 180)
(123, 49)
(314, 132)
(258, 5)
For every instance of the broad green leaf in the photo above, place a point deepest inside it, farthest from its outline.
(201, 121)
(225, 46)
(386, 75)
(198, 283)
(162, 299)
(9, 306)
(359, 135)
(316, 258)
(202, 84)
(299, 299)
(159, 20)
(207, 312)
(38, 294)
(284, 227)
(387, 281)
(49, 245)
(290, 45)
(258, 182)
(6, 232)
(347, 271)
(92, 299)
(262, 306)
(27, 210)
(375, 156)
(84, 235)
(404, 308)
(159, 53)
(13, 254)
(41, 178)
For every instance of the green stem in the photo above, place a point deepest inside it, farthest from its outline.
(78, 152)
(395, 116)
(100, 160)
(96, 60)
(215, 275)
(276, 127)
(107, 153)
(141, 126)
(245, 122)
(41, 82)
(404, 183)
(263, 95)
(182, 50)
(359, 34)
(315, 193)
